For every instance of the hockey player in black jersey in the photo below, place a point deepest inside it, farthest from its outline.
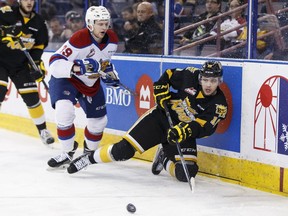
(196, 106)
(22, 26)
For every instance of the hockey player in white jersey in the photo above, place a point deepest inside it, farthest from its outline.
(75, 78)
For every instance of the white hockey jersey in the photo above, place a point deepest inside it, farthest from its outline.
(80, 46)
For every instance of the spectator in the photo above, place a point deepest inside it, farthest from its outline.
(77, 22)
(213, 8)
(130, 26)
(154, 6)
(191, 4)
(264, 46)
(233, 20)
(76, 17)
(57, 30)
(68, 16)
(149, 35)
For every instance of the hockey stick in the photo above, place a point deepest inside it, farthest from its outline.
(23, 48)
(103, 74)
(183, 162)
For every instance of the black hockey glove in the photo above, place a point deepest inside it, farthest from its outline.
(38, 75)
(87, 66)
(179, 133)
(161, 93)
(10, 33)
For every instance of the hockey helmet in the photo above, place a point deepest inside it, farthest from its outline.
(95, 13)
(211, 69)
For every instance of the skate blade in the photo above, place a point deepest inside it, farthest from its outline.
(58, 169)
(192, 182)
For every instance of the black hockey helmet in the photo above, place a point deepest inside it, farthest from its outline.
(211, 69)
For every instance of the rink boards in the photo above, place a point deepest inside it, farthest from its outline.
(250, 147)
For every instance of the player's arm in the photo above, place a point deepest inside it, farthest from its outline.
(161, 89)
(204, 125)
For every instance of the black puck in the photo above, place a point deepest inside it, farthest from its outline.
(131, 208)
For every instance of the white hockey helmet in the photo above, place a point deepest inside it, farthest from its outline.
(95, 13)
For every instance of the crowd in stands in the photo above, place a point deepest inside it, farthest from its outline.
(232, 30)
(139, 25)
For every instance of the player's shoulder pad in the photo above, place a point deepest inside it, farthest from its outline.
(113, 38)
(81, 38)
(192, 69)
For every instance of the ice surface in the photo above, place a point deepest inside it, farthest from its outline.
(28, 188)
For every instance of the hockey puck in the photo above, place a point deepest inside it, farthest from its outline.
(131, 208)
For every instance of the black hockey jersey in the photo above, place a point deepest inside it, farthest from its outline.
(34, 36)
(188, 103)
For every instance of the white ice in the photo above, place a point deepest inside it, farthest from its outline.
(28, 188)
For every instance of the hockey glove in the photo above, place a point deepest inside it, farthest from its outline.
(8, 33)
(38, 75)
(110, 76)
(87, 66)
(179, 133)
(12, 39)
(161, 93)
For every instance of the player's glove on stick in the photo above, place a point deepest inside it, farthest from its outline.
(110, 76)
(179, 133)
(38, 75)
(87, 66)
(161, 93)
(11, 38)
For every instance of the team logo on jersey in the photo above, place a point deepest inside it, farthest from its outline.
(183, 109)
(221, 110)
(190, 91)
(91, 53)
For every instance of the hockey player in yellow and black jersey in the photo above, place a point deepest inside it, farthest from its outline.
(21, 26)
(196, 106)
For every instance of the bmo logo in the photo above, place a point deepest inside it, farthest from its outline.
(144, 99)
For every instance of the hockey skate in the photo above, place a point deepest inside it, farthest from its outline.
(63, 159)
(79, 163)
(157, 165)
(46, 137)
(86, 150)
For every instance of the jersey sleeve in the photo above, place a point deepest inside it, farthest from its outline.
(206, 123)
(62, 60)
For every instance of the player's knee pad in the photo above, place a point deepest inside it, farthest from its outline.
(180, 173)
(64, 113)
(31, 99)
(97, 125)
(122, 150)
(3, 91)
